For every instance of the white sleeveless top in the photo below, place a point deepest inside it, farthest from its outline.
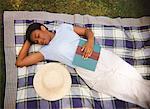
(63, 46)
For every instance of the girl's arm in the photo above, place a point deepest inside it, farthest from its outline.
(89, 35)
(24, 59)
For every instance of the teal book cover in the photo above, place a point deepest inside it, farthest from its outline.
(91, 62)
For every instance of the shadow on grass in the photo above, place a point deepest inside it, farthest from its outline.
(2, 64)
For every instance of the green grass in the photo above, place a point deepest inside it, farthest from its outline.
(2, 76)
(110, 8)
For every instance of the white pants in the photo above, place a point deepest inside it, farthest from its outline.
(117, 78)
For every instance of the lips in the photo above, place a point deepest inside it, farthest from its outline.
(45, 42)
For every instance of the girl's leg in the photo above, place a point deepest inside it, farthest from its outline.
(121, 80)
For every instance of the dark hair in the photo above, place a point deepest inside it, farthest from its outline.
(32, 27)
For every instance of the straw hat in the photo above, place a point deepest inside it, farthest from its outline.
(52, 81)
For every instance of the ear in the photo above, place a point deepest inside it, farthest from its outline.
(43, 28)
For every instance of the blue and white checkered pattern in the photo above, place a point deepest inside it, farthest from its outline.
(130, 43)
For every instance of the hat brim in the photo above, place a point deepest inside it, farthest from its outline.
(51, 95)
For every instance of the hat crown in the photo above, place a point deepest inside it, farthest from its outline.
(53, 80)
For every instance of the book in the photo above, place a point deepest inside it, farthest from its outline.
(91, 62)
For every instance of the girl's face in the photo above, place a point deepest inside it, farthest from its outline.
(41, 37)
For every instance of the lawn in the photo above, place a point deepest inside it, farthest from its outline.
(110, 8)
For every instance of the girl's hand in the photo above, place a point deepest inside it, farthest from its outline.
(87, 50)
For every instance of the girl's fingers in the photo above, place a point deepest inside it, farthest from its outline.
(83, 47)
(87, 54)
(87, 51)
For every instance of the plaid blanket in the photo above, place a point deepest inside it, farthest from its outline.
(130, 43)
